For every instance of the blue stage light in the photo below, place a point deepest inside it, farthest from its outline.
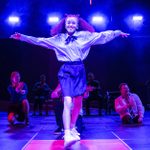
(137, 18)
(53, 20)
(13, 20)
(99, 21)
(135, 22)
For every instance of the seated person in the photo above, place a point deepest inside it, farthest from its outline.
(41, 94)
(19, 106)
(129, 106)
(93, 92)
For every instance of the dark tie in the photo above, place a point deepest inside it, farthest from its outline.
(70, 39)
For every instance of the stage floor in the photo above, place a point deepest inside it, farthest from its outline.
(99, 133)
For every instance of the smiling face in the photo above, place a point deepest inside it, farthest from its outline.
(71, 24)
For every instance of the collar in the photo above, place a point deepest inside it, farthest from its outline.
(74, 34)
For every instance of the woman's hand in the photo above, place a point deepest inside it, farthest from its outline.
(123, 34)
(16, 36)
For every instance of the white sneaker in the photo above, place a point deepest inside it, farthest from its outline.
(75, 134)
(69, 139)
(75, 131)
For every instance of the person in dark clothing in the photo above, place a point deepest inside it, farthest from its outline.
(41, 94)
(19, 105)
(56, 95)
(93, 93)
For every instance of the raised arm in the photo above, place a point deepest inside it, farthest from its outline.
(44, 42)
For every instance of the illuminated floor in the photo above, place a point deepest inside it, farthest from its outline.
(99, 133)
(103, 144)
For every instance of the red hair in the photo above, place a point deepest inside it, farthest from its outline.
(60, 27)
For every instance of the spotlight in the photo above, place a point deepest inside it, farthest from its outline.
(97, 19)
(100, 21)
(135, 21)
(52, 20)
(13, 20)
(137, 18)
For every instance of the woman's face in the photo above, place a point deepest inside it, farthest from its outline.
(15, 78)
(71, 24)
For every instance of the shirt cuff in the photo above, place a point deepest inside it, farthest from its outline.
(117, 33)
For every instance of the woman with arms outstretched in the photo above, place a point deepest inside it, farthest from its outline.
(71, 40)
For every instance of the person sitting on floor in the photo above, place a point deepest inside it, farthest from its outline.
(129, 106)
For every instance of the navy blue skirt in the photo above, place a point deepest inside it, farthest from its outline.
(72, 78)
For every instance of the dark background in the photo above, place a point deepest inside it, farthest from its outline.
(121, 60)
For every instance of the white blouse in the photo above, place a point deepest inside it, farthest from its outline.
(76, 50)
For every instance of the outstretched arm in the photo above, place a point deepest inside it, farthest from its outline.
(123, 34)
(104, 37)
(44, 42)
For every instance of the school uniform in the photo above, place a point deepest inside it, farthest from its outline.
(72, 51)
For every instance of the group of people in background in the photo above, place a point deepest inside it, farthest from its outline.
(19, 105)
(128, 105)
